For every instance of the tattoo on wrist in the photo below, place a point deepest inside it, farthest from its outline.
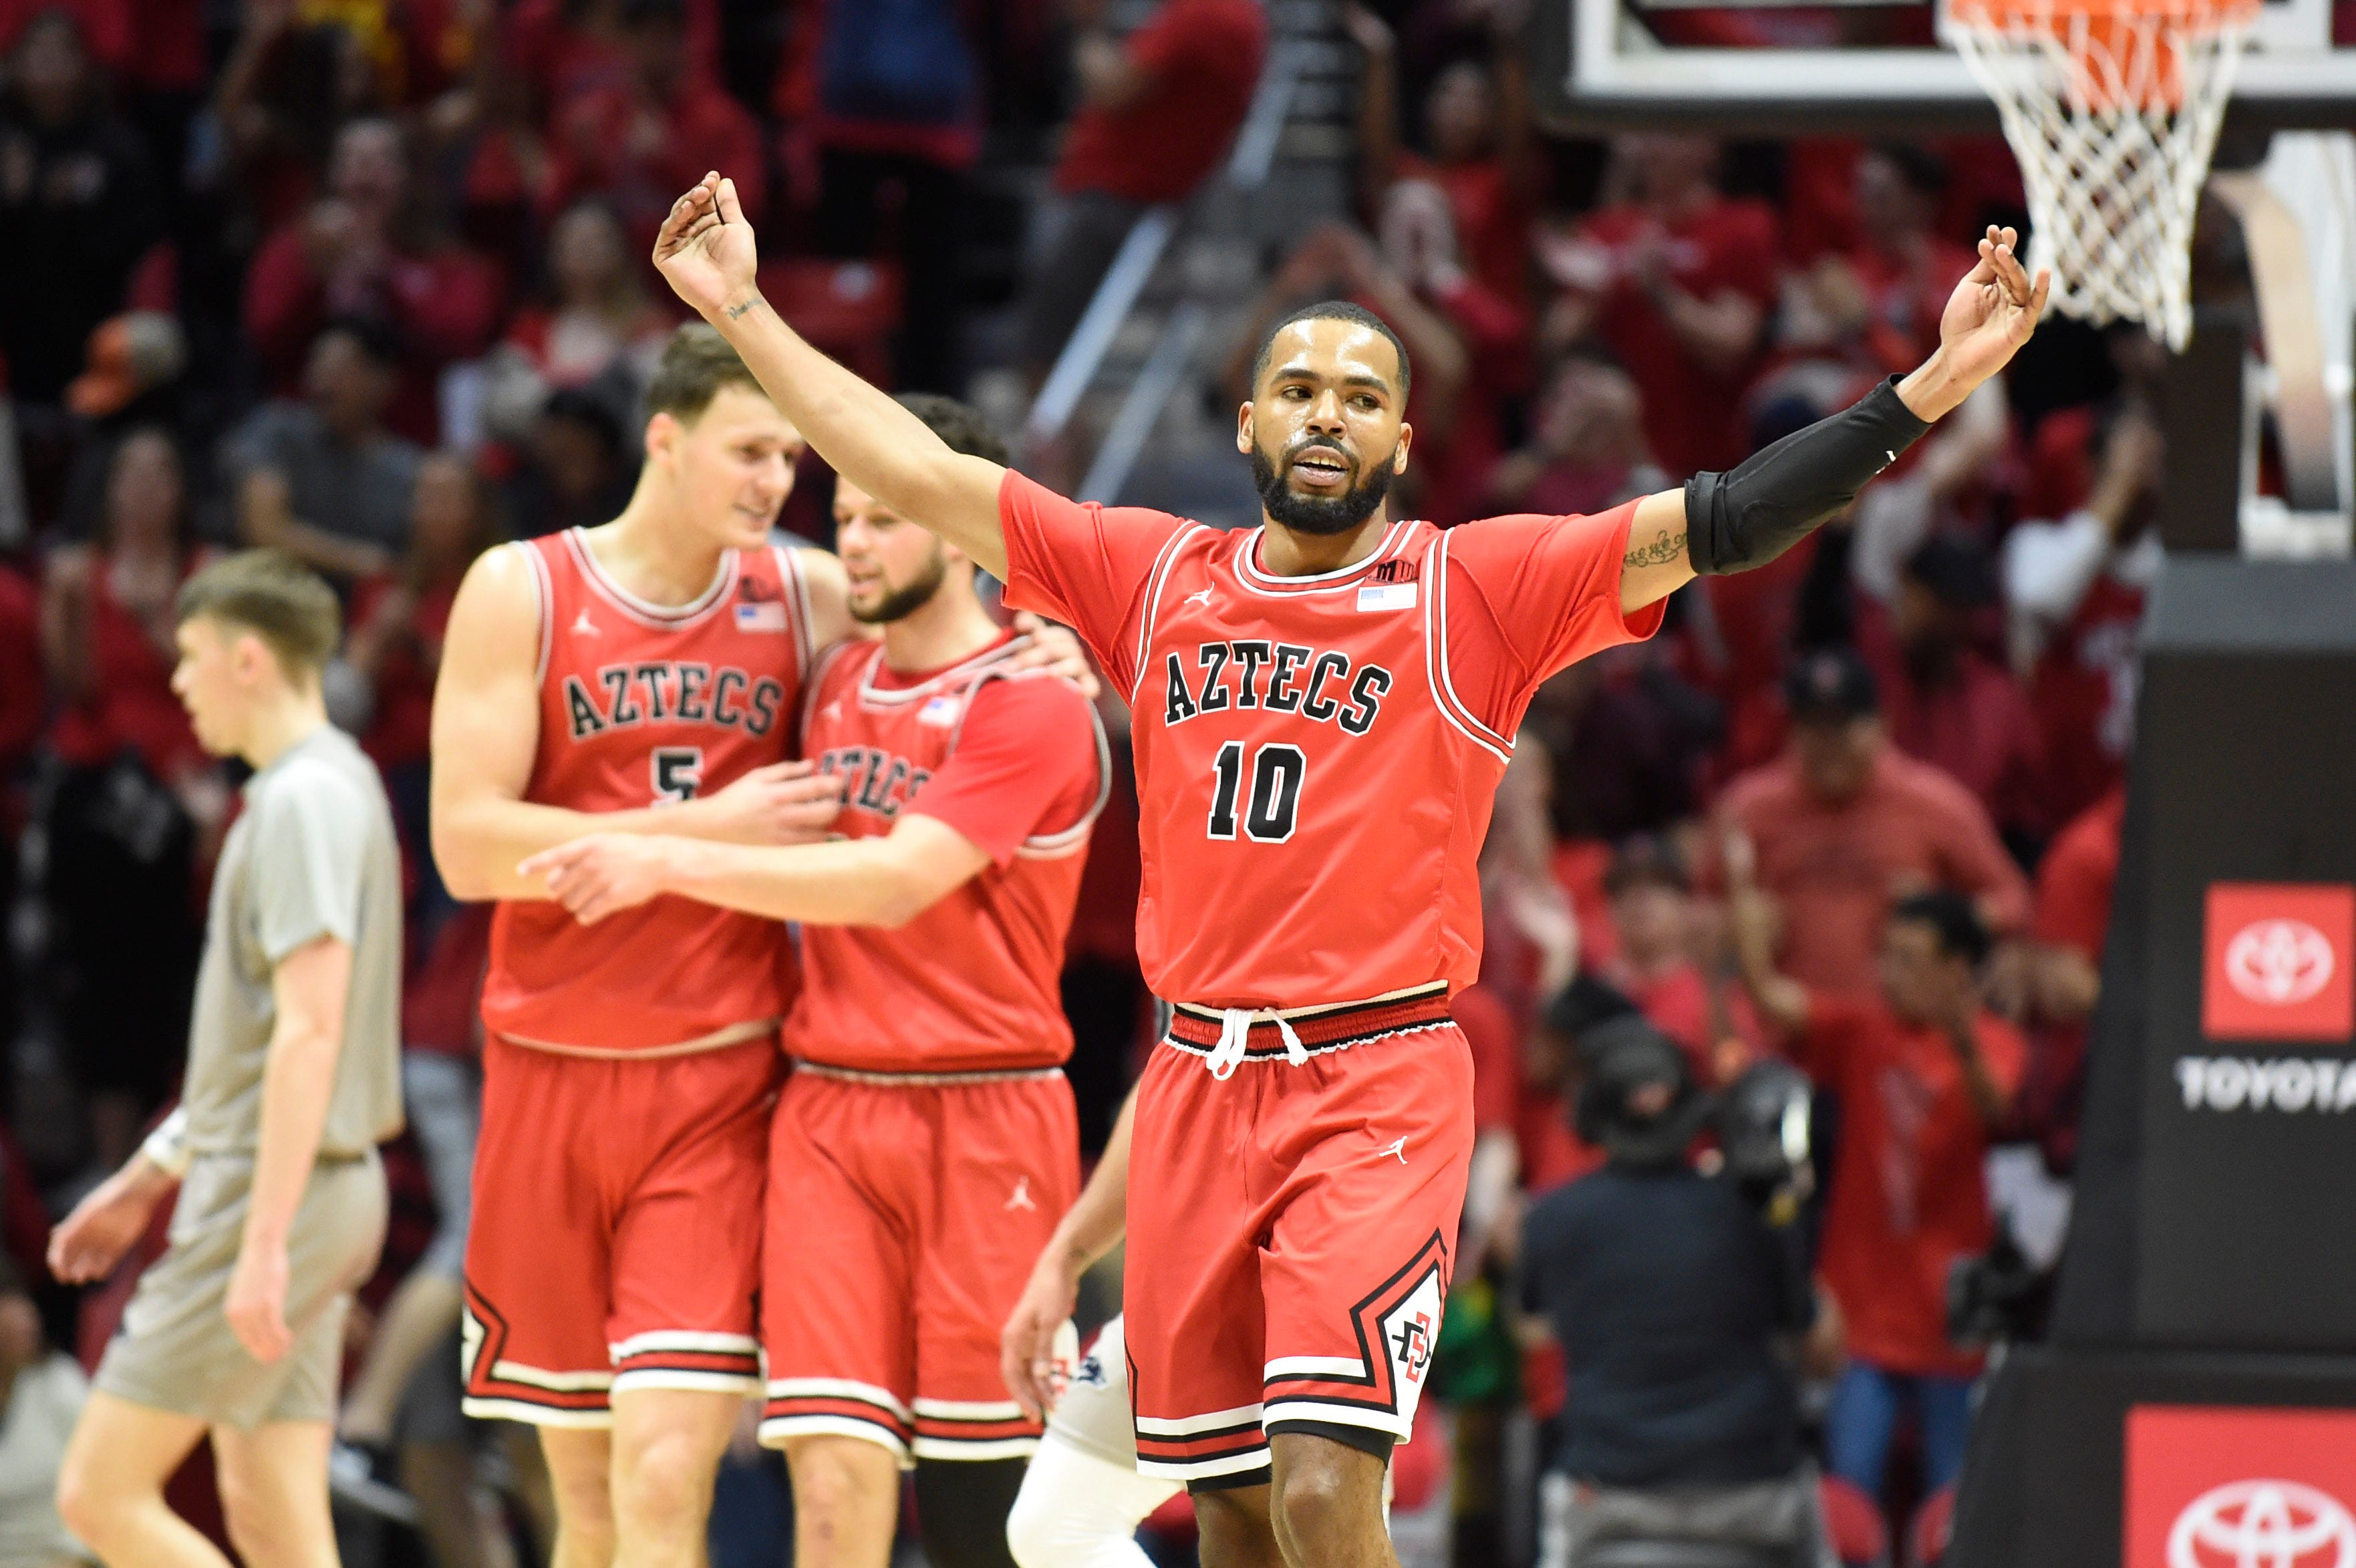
(1665, 548)
(735, 311)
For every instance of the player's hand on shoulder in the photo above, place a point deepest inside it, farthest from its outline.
(705, 250)
(256, 1303)
(784, 803)
(1058, 650)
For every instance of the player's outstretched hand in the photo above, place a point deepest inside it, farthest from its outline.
(256, 1305)
(784, 803)
(1056, 650)
(705, 248)
(91, 1241)
(1026, 1346)
(602, 874)
(1992, 312)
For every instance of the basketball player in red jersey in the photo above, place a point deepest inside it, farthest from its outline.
(1324, 707)
(635, 677)
(926, 1144)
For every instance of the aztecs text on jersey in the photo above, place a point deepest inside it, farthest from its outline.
(1317, 756)
(641, 705)
(1017, 764)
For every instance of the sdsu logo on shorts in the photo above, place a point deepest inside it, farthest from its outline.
(1396, 1327)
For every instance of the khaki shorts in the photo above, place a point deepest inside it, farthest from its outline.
(176, 1351)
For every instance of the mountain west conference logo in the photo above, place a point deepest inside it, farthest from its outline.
(2262, 1524)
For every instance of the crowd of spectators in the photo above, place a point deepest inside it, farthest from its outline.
(365, 279)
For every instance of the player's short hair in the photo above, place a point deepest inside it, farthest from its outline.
(269, 594)
(960, 425)
(1333, 310)
(1960, 932)
(696, 364)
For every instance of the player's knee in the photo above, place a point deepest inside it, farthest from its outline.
(833, 1479)
(87, 1505)
(1321, 1496)
(259, 1521)
(1035, 1533)
(665, 1477)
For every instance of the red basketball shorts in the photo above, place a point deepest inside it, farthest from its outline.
(905, 1216)
(1289, 1233)
(616, 1228)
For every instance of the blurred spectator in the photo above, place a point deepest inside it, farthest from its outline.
(1627, 764)
(1876, 307)
(41, 1395)
(78, 207)
(1492, 1216)
(2074, 591)
(2074, 882)
(1925, 1074)
(576, 471)
(1677, 280)
(1586, 453)
(397, 621)
(637, 142)
(137, 805)
(1946, 700)
(323, 478)
(289, 85)
(1676, 1307)
(370, 250)
(1653, 916)
(1475, 135)
(890, 95)
(1844, 824)
(1157, 111)
(599, 328)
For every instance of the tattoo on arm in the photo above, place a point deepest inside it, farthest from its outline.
(735, 311)
(1665, 548)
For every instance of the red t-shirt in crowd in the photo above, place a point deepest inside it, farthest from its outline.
(1493, 221)
(1016, 764)
(442, 306)
(441, 1002)
(1200, 60)
(1975, 726)
(130, 705)
(1692, 415)
(637, 155)
(2083, 692)
(2075, 878)
(1837, 868)
(562, 60)
(1909, 1186)
(400, 728)
(1678, 1003)
(1494, 1037)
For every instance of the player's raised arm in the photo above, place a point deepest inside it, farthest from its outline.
(705, 250)
(487, 734)
(1720, 523)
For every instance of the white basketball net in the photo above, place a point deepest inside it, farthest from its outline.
(2114, 116)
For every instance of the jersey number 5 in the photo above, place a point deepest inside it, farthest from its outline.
(1276, 775)
(678, 772)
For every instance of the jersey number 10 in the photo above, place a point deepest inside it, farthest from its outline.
(1276, 775)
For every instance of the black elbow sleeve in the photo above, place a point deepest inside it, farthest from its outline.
(1738, 521)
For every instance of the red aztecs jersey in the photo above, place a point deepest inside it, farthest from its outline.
(1316, 756)
(1016, 763)
(642, 704)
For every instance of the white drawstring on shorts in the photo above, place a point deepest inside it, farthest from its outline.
(1235, 1033)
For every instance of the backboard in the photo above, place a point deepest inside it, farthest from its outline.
(1871, 66)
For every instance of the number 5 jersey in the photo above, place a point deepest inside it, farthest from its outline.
(648, 704)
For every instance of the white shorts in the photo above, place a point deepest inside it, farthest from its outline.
(1094, 1414)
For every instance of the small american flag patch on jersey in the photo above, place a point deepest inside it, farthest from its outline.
(761, 615)
(941, 712)
(1387, 596)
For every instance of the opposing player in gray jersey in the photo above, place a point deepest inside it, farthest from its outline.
(293, 1078)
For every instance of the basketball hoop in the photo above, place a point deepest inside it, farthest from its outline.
(2112, 108)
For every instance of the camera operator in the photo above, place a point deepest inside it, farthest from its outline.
(1678, 1304)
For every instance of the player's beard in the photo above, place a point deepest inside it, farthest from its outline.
(1317, 514)
(905, 600)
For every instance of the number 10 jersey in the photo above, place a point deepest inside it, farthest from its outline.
(1316, 756)
(640, 705)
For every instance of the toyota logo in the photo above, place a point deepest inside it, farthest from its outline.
(2262, 1524)
(2279, 962)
